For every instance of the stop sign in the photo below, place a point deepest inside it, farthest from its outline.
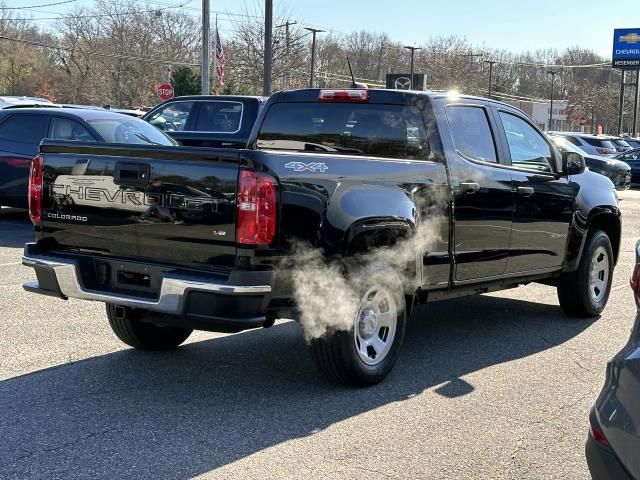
(583, 121)
(165, 91)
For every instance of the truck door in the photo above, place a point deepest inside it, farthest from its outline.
(483, 197)
(544, 199)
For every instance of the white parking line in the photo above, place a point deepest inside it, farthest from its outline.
(10, 263)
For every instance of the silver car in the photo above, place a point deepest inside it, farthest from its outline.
(620, 144)
(591, 144)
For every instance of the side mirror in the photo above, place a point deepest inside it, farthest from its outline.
(572, 163)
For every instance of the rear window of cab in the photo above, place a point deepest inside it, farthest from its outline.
(378, 130)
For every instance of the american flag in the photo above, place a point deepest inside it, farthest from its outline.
(220, 59)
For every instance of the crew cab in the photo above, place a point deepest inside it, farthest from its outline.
(207, 120)
(346, 209)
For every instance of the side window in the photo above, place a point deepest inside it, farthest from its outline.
(172, 117)
(471, 133)
(527, 147)
(68, 129)
(574, 140)
(25, 129)
(219, 117)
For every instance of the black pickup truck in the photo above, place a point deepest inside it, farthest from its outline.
(207, 120)
(347, 208)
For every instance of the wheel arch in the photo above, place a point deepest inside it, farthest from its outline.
(610, 223)
(606, 218)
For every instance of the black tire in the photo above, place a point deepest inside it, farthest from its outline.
(575, 288)
(131, 330)
(336, 354)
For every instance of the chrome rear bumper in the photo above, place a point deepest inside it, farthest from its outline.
(63, 281)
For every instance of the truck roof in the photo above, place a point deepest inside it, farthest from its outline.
(218, 97)
(382, 95)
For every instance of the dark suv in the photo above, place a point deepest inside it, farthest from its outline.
(22, 130)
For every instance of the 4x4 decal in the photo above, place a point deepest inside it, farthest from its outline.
(307, 167)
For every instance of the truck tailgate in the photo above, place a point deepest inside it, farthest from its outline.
(168, 205)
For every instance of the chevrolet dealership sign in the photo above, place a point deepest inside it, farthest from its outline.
(626, 48)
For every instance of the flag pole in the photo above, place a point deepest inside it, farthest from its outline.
(214, 77)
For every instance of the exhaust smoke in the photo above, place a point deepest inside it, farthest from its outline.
(327, 292)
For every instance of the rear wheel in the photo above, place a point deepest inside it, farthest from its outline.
(584, 293)
(366, 353)
(129, 328)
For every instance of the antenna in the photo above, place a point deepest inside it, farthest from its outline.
(353, 80)
(354, 84)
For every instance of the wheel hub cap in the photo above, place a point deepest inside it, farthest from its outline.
(599, 275)
(375, 325)
(367, 323)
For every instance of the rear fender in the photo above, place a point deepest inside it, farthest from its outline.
(604, 217)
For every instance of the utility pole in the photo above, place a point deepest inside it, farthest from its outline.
(204, 68)
(314, 31)
(215, 58)
(413, 50)
(635, 105)
(553, 74)
(621, 104)
(286, 25)
(491, 64)
(268, 46)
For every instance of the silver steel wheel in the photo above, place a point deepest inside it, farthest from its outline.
(375, 325)
(599, 274)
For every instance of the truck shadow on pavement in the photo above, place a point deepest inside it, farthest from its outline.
(15, 228)
(135, 414)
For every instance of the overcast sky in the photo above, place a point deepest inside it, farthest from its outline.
(516, 25)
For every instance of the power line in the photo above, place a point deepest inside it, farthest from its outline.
(37, 6)
(136, 58)
(100, 15)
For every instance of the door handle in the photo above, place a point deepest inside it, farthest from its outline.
(525, 191)
(469, 187)
(131, 174)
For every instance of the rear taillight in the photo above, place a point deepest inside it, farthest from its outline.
(257, 208)
(635, 283)
(597, 435)
(603, 151)
(35, 189)
(353, 96)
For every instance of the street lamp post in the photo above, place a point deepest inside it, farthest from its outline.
(553, 74)
(313, 31)
(491, 64)
(286, 25)
(413, 50)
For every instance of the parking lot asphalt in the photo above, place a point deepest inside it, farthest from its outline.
(495, 386)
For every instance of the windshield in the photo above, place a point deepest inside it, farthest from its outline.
(598, 142)
(129, 130)
(395, 131)
(565, 145)
(621, 143)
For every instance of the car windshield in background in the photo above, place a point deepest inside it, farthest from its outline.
(596, 142)
(130, 131)
(395, 131)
